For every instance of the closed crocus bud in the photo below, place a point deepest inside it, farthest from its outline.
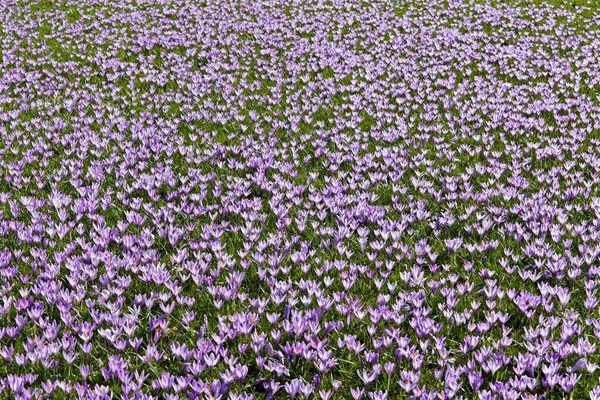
(337, 384)
(389, 368)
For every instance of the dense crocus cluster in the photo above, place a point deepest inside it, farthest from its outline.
(304, 199)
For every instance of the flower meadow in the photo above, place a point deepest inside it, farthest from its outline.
(299, 199)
